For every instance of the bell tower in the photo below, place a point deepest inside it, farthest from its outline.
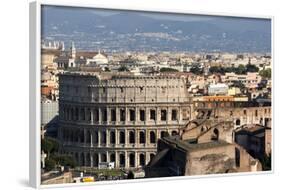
(72, 50)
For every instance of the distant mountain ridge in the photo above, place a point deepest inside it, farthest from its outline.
(218, 33)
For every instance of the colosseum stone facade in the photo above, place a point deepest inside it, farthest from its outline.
(118, 118)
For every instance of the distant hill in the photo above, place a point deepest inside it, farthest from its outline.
(135, 31)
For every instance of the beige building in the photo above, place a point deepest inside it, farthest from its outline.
(111, 118)
(204, 146)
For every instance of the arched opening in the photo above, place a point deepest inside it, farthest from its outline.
(151, 156)
(103, 137)
(72, 136)
(76, 114)
(96, 160)
(72, 114)
(96, 137)
(76, 137)
(261, 121)
(215, 135)
(237, 157)
(88, 137)
(174, 133)
(131, 137)
(164, 134)
(141, 160)
(152, 137)
(89, 114)
(112, 157)
(122, 137)
(112, 137)
(82, 136)
(132, 160)
(88, 159)
(82, 159)
(82, 114)
(103, 157)
(76, 158)
(142, 138)
(122, 160)
(237, 122)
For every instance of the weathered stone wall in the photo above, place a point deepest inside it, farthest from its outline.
(211, 160)
(119, 118)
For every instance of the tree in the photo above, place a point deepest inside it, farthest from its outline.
(166, 69)
(50, 164)
(123, 68)
(65, 160)
(252, 68)
(216, 69)
(196, 70)
(49, 146)
(266, 162)
(241, 69)
(106, 69)
(265, 73)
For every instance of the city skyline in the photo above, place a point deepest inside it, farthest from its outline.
(146, 31)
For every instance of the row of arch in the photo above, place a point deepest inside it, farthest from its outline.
(110, 137)
(110, 114)
(92, 160)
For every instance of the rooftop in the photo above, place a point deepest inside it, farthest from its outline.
(186, 145)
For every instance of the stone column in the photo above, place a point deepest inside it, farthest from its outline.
(126, 138)
(137, 115)
(108, 112)
(92, 115)
(92, 160)
(107, 156)
(126, 159)
(158, 115)
(136, 138)
(136, 159)
(107, 142)
(116, 159)
(99, 138)
(116, 137)
(91, 133)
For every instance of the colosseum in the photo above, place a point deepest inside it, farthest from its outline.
(118, 118)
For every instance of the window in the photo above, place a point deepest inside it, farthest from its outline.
(112, 137)
(152, 114)
(132, 137)
(142, 159)
(132, 114)
(174, 133)
(89, 114)
(237, 122)
(122, 160)
(97, 115)
(103, 137)
(104, 115)
(152, 137)
(113, 115)
(82, 114)
(122, 137)
(163, 115)
(132, 160)
(122, 115)
(174, 115)
(256, 113)
(245, 112)
(142, 138)
(142, 115)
